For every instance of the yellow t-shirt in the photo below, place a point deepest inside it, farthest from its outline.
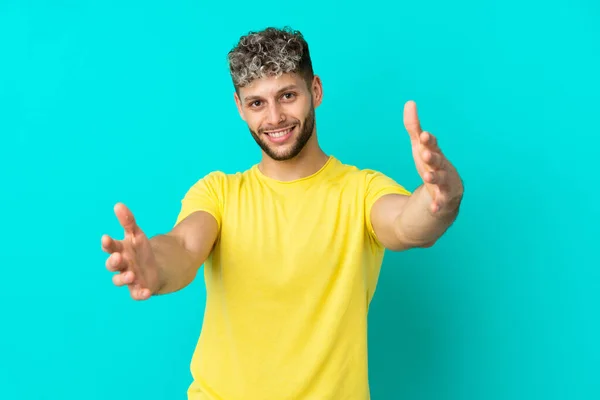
(288, 284)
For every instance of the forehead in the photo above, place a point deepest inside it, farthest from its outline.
(272, 86)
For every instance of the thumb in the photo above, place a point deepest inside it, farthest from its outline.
(126, 219)
(411, 121)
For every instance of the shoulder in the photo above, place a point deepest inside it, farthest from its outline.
(368, 179)
(220, 178)
(342, 170)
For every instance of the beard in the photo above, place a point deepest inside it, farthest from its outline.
(306, 128)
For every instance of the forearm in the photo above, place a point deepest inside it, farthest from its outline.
(176, 266)
(418, 226)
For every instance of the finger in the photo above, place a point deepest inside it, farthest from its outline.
(428, 140)
(126, 219)
(110, 245)
(411, 120)
(123, 278)
(439, 202)
(432, 159)
(139, 293)
(116, 262)
(437, 177)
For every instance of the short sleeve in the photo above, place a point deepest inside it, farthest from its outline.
(205, 195)
(378, 185)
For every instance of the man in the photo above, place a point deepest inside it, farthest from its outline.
(292, 247)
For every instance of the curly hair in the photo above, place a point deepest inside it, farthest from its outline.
(270, 52)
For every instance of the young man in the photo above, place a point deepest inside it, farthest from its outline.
(292, 247)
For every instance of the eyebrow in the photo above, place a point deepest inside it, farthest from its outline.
(283, 89)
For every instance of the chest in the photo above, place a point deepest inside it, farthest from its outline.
(269, 236)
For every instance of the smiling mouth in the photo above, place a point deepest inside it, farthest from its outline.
(280, 132)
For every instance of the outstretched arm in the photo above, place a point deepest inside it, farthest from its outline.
(181, 252)
(161, 264)
(419, 220)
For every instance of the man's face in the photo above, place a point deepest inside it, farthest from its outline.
(280, 113)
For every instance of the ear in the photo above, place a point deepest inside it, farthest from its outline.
(317, 91)
(238, 103)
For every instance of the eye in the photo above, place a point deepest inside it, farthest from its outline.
(255, 104)
(289, 95)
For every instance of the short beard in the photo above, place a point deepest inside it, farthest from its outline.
(305, 134)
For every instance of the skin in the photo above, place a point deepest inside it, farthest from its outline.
(161, 264)
(419, 220)
(167, 263)
(277, 102)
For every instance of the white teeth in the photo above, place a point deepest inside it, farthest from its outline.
(280, 133)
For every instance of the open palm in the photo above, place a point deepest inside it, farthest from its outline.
(439, 176)
(132, 258)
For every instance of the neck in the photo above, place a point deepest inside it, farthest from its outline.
(310, 160)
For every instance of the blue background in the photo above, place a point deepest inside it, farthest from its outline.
(106, 101)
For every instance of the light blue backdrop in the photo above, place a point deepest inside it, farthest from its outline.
(106, 101)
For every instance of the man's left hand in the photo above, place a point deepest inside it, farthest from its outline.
(439, 176)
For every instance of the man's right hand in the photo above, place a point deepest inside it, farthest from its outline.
(132, 258)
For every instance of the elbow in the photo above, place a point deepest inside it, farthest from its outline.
(427, 244)
(403, 246)
(402, 242)
(421, 237)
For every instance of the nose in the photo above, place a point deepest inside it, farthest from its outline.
(275, 115)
